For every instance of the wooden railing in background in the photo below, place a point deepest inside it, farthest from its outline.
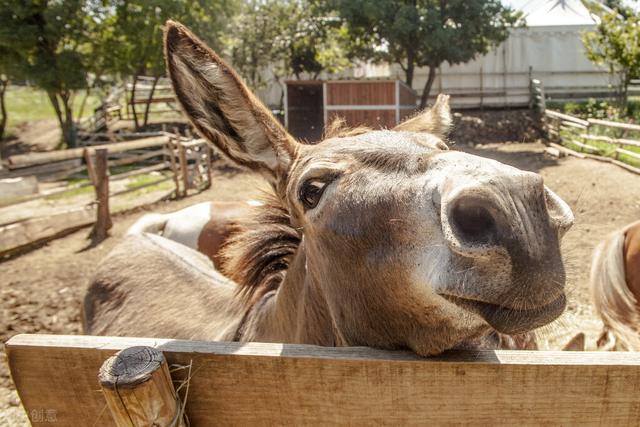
(565, 131)
(188, 159)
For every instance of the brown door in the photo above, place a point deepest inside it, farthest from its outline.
(305, 110)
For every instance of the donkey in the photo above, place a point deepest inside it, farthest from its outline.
(377, 238)
(204, 227)
(615, 288)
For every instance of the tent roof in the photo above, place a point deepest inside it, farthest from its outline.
(545, 13)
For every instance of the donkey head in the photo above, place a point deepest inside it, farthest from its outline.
(406, 244)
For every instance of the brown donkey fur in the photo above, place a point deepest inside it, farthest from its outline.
(379, 238)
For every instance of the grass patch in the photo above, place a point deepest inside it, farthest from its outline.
(161, 186)
(140, 180)
(72, 192)
(25, 104)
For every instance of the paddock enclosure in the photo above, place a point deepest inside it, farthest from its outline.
(277, 384)
(312, 104)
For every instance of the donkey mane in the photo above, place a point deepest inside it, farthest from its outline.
(338, 128)
(258, 254)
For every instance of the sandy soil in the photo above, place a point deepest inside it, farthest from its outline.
(41, 291)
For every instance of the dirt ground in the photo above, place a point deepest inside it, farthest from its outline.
(41, 291)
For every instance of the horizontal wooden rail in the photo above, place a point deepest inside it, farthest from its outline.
(625, 126)
(135, 158)
(283, 384)
(23, 160)
(140, 187)
(562, 116)
(628, 153)
(585, 146)
(141, 171)
(615, 141)
(573, 124)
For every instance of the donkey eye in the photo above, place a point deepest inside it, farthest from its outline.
(311, 192)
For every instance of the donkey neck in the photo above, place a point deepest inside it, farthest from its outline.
(295, 313)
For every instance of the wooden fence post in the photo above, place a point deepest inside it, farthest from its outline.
(184, 167)
(172, 147)
(137, 386)
(101, 185)
(209, 152)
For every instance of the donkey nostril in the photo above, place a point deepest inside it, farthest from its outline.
(473, 222)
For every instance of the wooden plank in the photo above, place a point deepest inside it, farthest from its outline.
(278, 384)
(618, 125)
(63, 167)
(585, 146)
(628, 153)
(141, 171)
(573, 125)
(561, 116)
(129, 159)
(139, 187)
(34, 230)
(23, 160)
(567, 151)
(44, 194)
(554, 152)
(608, 140)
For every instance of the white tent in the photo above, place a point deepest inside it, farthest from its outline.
(549, 49)
(546, 13)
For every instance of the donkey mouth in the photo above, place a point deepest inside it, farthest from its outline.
(509, 320)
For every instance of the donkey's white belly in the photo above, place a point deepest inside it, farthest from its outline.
(185, 225)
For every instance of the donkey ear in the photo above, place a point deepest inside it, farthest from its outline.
(221, 106)
(436, 120)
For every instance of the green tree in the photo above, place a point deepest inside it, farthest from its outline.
(53, 40)
(274, 39)
(133, 34)
(616, 44)
(423, 33)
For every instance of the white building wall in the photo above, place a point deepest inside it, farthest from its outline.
(555, 55)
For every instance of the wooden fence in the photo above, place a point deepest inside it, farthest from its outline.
(189, 161)
(583, 135)
(147, 91)
(230, 383)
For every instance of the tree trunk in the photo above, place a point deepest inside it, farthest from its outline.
(624, 95)
(53, 97)
(411, 66)
(69, 126)
(84, 103)
(149, 100)
(3, 108)
(427, 86)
